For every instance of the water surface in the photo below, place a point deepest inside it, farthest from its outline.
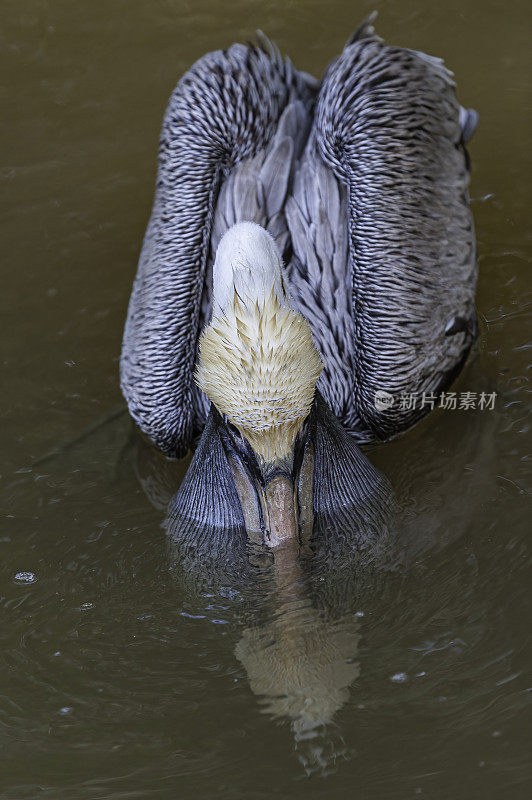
(119, 681)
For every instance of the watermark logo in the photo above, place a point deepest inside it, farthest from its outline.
(383, 400)
(450, 401)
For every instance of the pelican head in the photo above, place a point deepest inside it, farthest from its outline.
(259, 366)
(272, 459)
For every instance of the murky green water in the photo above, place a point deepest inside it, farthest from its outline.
(117, 680)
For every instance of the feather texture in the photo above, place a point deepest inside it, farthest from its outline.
(224, 110)
(363, 184)
(259, 366)
(387, 124)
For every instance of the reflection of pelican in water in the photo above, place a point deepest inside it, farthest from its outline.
(362, 183)
(301, 663)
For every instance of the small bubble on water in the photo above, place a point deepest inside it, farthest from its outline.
(359, 614)
(420, 674)
(57, 653)
(87, 606)
(65, 711)
(25, 577)
(496, 734)
(399, 677)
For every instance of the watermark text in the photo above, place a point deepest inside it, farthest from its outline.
(450, 401)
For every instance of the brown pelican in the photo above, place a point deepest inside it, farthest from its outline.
(311, 249)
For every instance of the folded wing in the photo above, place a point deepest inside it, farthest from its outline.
(380, 212)
(224, 111)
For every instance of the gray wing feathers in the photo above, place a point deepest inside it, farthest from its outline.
(320, 280)
(387, 124)
(223, 111)
(256, 189)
